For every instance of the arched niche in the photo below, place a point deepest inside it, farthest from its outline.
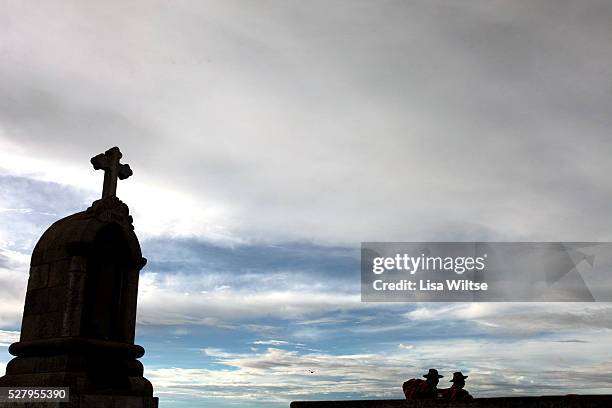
(106, 286)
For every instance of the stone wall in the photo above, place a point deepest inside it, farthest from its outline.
(570, 401)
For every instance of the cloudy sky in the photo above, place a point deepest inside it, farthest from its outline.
(269, 138)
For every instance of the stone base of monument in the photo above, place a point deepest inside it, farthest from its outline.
(91, 401)
(568, 401)
(99, 374)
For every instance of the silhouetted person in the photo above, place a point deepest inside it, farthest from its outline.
(422, 389)
(456, 391)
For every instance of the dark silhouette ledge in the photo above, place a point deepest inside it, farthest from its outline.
(568, 401)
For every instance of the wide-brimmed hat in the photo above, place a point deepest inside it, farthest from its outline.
(458, 376)
(433, 373)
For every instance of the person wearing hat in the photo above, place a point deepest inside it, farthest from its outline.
(423, 389)
(456, 391)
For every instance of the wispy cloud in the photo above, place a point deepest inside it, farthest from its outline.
(271, 342)
(521, 318)
(8, 337)
(13, 281)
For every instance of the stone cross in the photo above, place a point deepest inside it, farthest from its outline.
(109, 162)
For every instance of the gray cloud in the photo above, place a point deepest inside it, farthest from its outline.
(31, 109)
(4, 260)
(332, 121)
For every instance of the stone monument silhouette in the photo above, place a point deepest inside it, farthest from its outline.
(80, 310)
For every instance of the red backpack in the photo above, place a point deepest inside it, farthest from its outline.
(411, 386)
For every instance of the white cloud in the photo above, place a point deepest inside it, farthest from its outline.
(13, 282)
(8, 337)
(279, 376)
(178, 299)
(525, 367)
(271, 342)
(520, 318)
(153, 219)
